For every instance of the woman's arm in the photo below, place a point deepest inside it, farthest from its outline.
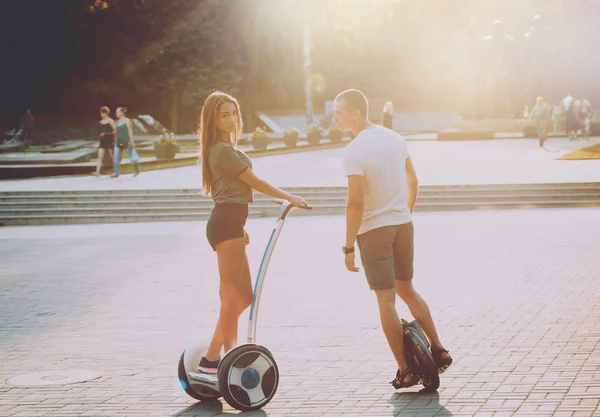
(130, 130)
(238, 167)
(264, 187)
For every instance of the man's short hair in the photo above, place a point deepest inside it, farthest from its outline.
(354, 100)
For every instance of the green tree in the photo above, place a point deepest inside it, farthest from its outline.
(176, 51)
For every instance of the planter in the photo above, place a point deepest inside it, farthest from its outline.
(165, 151)
(336, 135)
(260, 142)
(290, 140)
(313, 137)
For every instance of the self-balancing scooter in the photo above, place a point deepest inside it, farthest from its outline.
(247, 376)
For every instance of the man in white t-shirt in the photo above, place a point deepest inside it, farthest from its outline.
(382, 192)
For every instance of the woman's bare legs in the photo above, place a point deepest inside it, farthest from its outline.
(235, 293)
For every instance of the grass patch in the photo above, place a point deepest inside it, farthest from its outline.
(184, 148)
(37, 148)
(590, 152)
(188, 147)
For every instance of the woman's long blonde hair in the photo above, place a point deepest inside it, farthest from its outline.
(207, 131)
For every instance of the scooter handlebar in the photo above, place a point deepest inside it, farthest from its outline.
(305, 207)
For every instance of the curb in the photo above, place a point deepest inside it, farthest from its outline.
(12, 172)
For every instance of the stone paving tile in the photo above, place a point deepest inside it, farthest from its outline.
(515, 295)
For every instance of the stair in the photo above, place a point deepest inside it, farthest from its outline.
(118, 206)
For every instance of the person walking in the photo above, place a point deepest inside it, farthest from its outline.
(124, 141)
(106, 132)
(539, 113)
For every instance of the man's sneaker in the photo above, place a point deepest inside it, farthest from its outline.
(208, 367)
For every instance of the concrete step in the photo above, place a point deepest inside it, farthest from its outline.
(100, 218)
(207, 204)
(333, 192)
(105, 206)
(301, 190)
(137, 198)
(196, 215)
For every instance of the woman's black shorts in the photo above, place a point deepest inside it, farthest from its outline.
(226, 222)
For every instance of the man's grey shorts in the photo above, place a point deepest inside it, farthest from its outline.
(387, 255)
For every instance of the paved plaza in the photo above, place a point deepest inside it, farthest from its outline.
(506, 161)
(515, 295)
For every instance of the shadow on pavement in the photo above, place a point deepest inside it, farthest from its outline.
(214, 408)
(422, 403)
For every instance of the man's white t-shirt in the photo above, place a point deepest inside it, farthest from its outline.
(379, 155)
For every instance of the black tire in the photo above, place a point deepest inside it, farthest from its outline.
(242, 357)
(431, 382)
(420, 359)
(200, 393)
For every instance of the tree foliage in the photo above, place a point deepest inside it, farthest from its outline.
(165, 56)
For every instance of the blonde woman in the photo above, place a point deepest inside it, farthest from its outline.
(227, 176)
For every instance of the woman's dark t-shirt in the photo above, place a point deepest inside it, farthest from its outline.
(226, 165)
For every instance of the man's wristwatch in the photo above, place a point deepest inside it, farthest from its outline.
(347, 250)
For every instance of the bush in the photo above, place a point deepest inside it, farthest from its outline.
(290, 137)
(260, 139)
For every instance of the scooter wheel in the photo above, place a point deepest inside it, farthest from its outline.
(196, 392)
(190, 358)
(248, 377)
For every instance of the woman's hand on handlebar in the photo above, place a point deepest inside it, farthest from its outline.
(296, 201)
(264, 187)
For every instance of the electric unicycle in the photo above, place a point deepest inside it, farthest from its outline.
(419, 357)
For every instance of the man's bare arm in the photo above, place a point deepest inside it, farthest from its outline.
(413, 184)
(355, 207)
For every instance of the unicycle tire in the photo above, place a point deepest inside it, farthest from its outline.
(419, 357)
(431, 382)
(421, 354)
